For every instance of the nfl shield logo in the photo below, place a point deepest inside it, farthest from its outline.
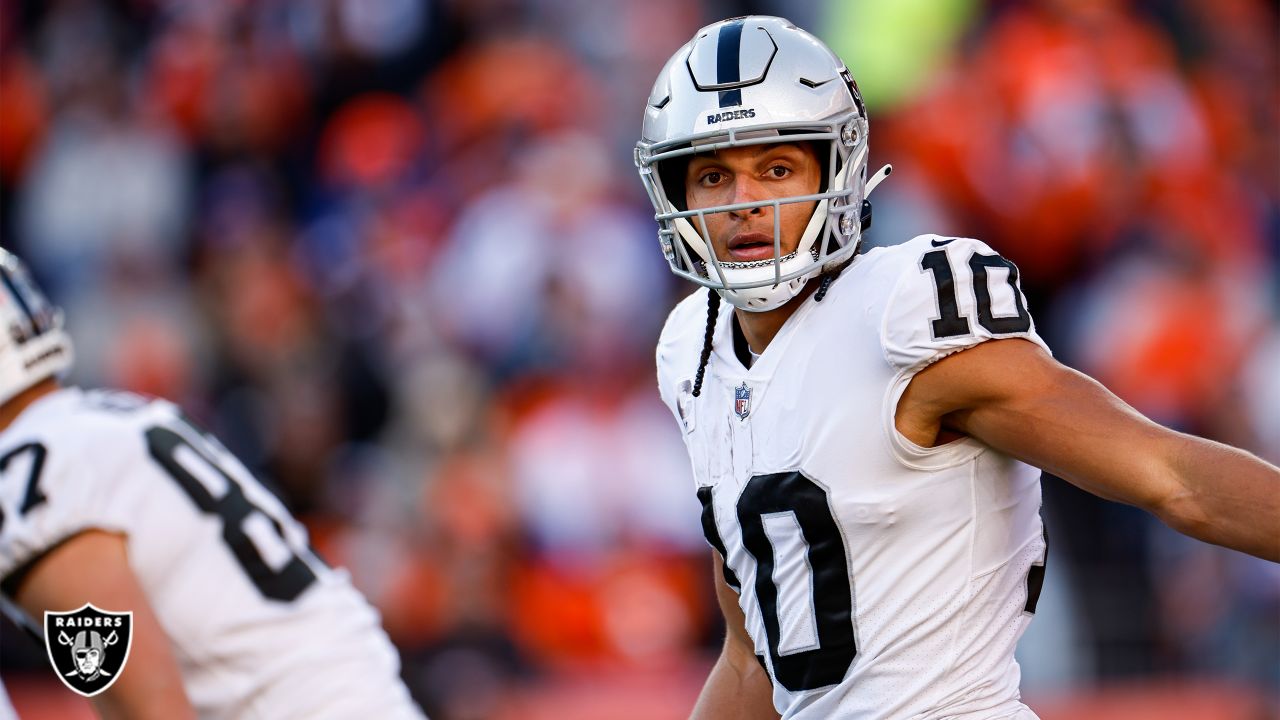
(742, 401)
(88, 647)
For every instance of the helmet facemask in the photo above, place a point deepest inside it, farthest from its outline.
(830, 237)
(748, 81)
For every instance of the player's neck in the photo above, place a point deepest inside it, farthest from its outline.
(759, 328)
(12, 409)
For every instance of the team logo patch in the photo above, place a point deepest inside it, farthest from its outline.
(88, 647)
(742, 401)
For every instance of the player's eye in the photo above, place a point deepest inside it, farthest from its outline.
(711, 177)
(779, 171)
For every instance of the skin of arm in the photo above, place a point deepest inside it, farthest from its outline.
(738, 687)
(1010, 394)
(93, 566)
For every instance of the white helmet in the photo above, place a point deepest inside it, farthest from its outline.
(33, 343)
(749, 81)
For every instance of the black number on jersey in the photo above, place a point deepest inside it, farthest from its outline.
(33, 496)
(831, 599)
(242, 520)
(950, 322)
(1021, 322)
(713, 536)
(1035, 575)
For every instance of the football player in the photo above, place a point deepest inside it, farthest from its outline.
(6, 708)
(116, 500)
(858, 424)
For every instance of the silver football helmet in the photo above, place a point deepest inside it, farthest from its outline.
(749, 81)
(33, 343)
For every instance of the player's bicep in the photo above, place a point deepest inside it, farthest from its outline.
(1012, 396)
(92, 567)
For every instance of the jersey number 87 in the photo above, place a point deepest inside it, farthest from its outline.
(257, 539)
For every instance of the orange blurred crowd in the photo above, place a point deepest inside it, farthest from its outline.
(395, 256)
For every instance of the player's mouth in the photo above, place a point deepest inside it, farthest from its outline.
(749, 247)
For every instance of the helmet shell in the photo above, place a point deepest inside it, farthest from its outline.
(34, 344)
(746, 81)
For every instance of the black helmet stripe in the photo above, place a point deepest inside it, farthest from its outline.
(19, 298)
(728, 54)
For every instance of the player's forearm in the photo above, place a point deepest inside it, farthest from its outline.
(171, 705)
(149, 687)
(1226, 496)
(1070, 425)
(735, 690)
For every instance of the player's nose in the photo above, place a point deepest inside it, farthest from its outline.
(747, 189)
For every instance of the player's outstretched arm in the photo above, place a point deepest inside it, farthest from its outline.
(737, 687)
(93, 567)
(1013, 396)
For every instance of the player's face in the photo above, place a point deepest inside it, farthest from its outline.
(88, 660)
(750, 174)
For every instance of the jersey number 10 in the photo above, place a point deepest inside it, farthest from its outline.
(811, 642)
(950, 322)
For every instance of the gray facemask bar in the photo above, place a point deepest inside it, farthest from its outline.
(778, 278)
(841, 148)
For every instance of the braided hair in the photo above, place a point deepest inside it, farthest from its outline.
(713, 313)
(826, 284)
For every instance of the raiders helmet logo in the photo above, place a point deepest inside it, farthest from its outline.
(88, 647)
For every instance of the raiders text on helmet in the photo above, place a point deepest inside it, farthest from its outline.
(750, 81)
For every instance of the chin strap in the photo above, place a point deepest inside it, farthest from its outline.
(865, 215)
(864, 218)
(877, 178)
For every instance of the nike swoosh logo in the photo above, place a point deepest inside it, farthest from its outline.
(937, 243)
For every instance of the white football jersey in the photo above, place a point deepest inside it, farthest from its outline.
(6, 708)
(878, 579)
(260, 627)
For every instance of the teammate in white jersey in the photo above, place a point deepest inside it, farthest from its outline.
(6, 708)
(116, 500)
(856, 422)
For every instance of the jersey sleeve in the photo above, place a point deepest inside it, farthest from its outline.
(677, 354)
(51, 490)
(952, 294)
(666, 381)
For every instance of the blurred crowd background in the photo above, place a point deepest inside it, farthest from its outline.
(395, 254)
